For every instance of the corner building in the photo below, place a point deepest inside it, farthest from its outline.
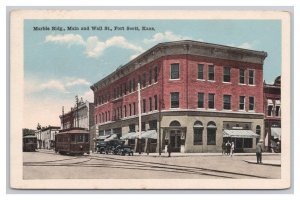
(195, 95)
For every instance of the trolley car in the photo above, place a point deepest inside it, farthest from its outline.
(29, 143)
(75, 141)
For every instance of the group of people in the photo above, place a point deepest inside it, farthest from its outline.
(228, 148)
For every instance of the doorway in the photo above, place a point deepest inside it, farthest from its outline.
(175, 140)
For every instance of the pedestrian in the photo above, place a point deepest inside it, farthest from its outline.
(169, 149)
(232, 149)
(259, 152)
(223, 148)
(228, 146)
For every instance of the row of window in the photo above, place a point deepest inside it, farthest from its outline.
(127, 110)
(175, 74)
(129, 86)
(175, 102)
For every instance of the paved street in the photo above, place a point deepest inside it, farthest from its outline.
(45, 164)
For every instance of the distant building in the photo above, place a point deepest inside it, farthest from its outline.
(81, 116)
(46, 137)
(195, 95)
(27, 131)
(272, 110)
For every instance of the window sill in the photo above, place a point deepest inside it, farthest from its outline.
(242, 84)
(251, 85)
(176, 79)
(211, 81)
(227, 82)
(200, 79)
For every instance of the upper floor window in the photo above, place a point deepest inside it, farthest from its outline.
(155, 102)
(174, 99)
(200, 71)
(144, 105)
(155, 74)
(211, 101)
(134, 108)
(251, 103)
(242, 103)
(150, 104)
(227, 102)
(251, 77)
(133, 85)
(130, 110)
(175, 71)
(144, 79)
(226, 74)
(277, 108)
(211, 72)
(125, 111)
(150, 77)
(242, 76)
(200, 100)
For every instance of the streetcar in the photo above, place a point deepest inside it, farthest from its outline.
(29, 143)
(74, 141)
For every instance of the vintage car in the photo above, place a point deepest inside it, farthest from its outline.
(126, 150)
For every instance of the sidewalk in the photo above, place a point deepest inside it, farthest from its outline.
(266, 162)
(177, 154)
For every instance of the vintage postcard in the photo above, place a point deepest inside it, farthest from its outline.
(150, 99)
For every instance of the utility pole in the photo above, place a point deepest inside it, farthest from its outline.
(76, 98)
(63, 125)
(140, 117)
(159, 125)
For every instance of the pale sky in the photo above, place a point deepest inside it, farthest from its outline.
(63, 63)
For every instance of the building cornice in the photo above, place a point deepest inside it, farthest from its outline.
(184, 47)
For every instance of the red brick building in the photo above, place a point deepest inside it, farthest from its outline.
(193, 94)
(272, 109)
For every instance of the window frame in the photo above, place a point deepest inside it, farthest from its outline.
(171, 99)
(211, 66)
(249, 77)
(225, 75)
(213, 95)
(250, 103)
(225, 104)
(200, 93)
(242, 97)
(171, 71)
(200, 66)
(242, 76)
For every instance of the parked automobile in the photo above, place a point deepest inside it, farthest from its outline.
(101, 147)
(126, 150)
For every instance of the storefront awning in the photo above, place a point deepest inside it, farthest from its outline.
(240, 134)
(152, 134)
(276, 133)
(111, 137)
(103, 137)
(144, 134)
(270, 102)
(129, 136)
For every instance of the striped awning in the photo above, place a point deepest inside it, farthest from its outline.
(111, 137)
(240, 134)
(144, 134)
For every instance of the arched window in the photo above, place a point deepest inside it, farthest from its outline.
(198, 133)
(211, 133)
(175, 123)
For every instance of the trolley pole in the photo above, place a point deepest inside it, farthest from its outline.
(140, 117)
(76, 98)
(62, 118)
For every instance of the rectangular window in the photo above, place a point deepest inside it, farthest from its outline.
(121, 92)
(125, 88)
(242, 76)
(277, 111)
(200, 100)
(211, 101)
(211, 136)
(270, 110)
(130, 86)
(150, 104)
(226, 74)
(144, 79)
(211, 72)
(150, 77)
(153, 125)
(242, 103)
(143, 126)
(174, 99)
(198, 132)
(115, 93)
(251, 77)
(227, 102)
(133, 85)
(134, 108)
(200, 71)
(125, 111)
(144, 105)
(175, 71)
(155, 74)
(130, 110)
(131, 128)
(155, 102)
(251, 103)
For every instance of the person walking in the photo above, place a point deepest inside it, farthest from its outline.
(228, 146)
(169, 149)
(232, 149)
(223, 148)
(259, 152)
